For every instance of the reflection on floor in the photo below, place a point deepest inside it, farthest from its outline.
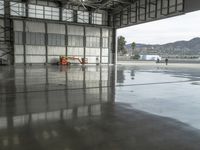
(62, 108)
(35, 96)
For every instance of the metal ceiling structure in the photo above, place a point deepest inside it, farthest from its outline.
(130, 12)
(108, 5)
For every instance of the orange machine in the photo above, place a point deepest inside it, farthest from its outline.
(64, 60)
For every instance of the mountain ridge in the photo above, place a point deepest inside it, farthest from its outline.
(191, 47)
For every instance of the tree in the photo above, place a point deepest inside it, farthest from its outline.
(133, 47)
(121, 45)
(137, 56)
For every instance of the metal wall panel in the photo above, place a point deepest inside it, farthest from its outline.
(92, 52)
(19, 49)
(92, 59)
(35, 50)
(34, 38)
(38, 51)
(104, 59)
(18, 37)
(75, 30)
(75, 51)
(56, 28)
(105, 52)
(191, 5)
(19, 58)
(35, 59)
(18, 25)
(105, 32)
(35, 27)
(53, 50)
(90, 31)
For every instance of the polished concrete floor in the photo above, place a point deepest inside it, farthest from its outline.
(99, 108)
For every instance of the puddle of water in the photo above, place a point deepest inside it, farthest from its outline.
(163, 94)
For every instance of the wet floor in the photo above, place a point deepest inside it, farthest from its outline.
(99, 108)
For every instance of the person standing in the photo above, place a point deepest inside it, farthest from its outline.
(158, 60)
(166, 61)
(97, 60)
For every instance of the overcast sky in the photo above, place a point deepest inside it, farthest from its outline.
(184, 27)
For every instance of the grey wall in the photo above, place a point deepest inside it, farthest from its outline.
(192, 5)
(56, 42)
(41, 42)
(143, 11)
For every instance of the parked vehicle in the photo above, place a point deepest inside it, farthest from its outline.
(150, 57)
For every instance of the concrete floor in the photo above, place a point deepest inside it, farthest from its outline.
(99, 108)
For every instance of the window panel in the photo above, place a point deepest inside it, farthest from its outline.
(96, 18)
(31, 11)
(67, 15)
(47, 12)
(36, 11)
(39, 11)
(83, 16)
(51, 13)
(1, 7)
(17, 9)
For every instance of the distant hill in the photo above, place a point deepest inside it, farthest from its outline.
(191, 47)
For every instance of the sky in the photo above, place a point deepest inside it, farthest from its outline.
(184, 27)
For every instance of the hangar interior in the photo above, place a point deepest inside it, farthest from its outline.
(37, 31)
(93, 107)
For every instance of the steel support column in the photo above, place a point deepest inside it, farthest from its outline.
(101, 44)
(46, 42)
(9, 50)
(66, 40)
(24, 40)
(114, 46)
(84, 42)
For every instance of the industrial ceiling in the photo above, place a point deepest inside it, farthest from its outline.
(108, 5)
